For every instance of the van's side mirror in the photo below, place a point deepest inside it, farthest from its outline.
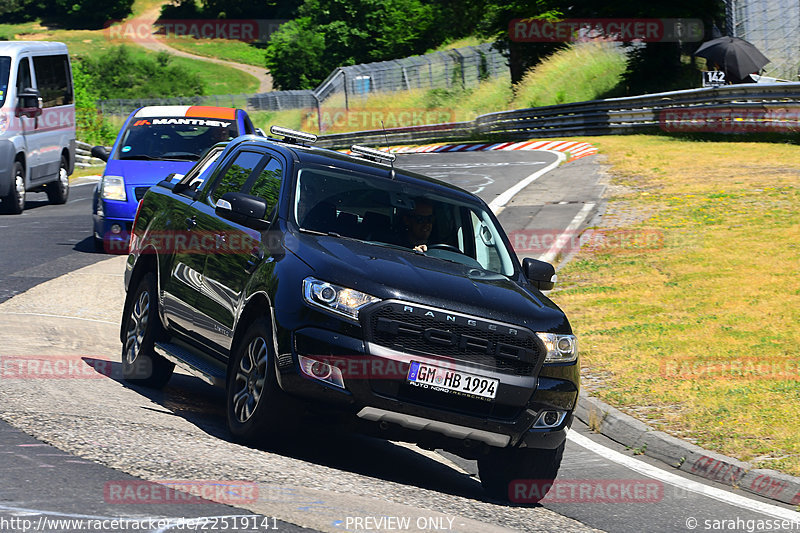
(29, 104)
(542, 275)
(100, 152)
(249, 211)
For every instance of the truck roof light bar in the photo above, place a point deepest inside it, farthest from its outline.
(371, 153)
(292, 136)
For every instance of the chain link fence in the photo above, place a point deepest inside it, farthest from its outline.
(462, 67)
(773, 26)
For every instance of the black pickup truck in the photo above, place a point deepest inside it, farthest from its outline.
(293, 276)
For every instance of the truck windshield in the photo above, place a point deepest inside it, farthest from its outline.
(173, 138)
(399, 214)
(5, 68)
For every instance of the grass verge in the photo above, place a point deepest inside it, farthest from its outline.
(235, 51)
(580, 72)
(688, 318)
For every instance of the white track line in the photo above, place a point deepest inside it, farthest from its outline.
(499, 203)
(681, 482)
(568, 233)
(60, 316)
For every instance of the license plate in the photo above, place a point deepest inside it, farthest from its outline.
(451, 381)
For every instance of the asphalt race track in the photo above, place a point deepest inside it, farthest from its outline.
(107, 435)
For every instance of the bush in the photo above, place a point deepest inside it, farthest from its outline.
(89, 123)
(121, 73)
(88, 14)
(295, 56)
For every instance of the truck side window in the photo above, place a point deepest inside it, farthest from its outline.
(267, 183)
(53, 80)
(236, 175)
(24, 75)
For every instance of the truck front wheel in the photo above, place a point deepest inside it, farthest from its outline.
(519, 475)
(14, 201)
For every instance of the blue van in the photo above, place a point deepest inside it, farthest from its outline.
(153, 143)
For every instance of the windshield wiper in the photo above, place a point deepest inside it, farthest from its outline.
(181, 157)
(141, 157)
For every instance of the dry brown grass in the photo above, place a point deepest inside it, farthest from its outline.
(680, 334)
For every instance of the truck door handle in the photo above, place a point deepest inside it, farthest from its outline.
(191, 222)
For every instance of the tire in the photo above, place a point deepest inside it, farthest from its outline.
(536, 468)
(99, 244)
(259, 412)
(14, 202)
(58, 191)
(140, 364)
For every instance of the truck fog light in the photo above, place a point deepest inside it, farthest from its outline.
(321, 371)
(116, 229)
(550, 419)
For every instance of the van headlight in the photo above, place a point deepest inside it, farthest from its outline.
(334, 298)
(560, 348)
(113, 188)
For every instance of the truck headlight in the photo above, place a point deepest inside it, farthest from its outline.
(113, 188)
(334, 298)
(560, 348)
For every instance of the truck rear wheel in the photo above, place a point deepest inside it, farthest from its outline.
(58, 191)
(519, 475)
(140, 364)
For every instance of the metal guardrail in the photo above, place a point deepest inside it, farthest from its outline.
(745, 108)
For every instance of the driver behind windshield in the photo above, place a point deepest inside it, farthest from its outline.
(417, 226)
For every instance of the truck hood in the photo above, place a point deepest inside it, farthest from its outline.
(391, 273)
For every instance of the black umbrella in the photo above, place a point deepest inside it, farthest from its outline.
(736, 57)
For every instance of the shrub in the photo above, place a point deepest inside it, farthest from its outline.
(121, 73)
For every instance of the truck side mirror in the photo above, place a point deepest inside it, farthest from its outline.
(542, 275)
(249, 211)
(100, 153)
(29, 103)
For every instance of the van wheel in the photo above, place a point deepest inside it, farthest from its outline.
(58, 191)
(140, 364)
(534, 470)
(14, 202)
(259, 412)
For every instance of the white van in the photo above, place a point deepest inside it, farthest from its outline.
(37, 122)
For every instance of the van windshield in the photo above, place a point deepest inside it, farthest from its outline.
(5, 68)
(401, 215)
(173, 138)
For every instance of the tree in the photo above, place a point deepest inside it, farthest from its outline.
(333, 33)
(521, 56)
(294, 55)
